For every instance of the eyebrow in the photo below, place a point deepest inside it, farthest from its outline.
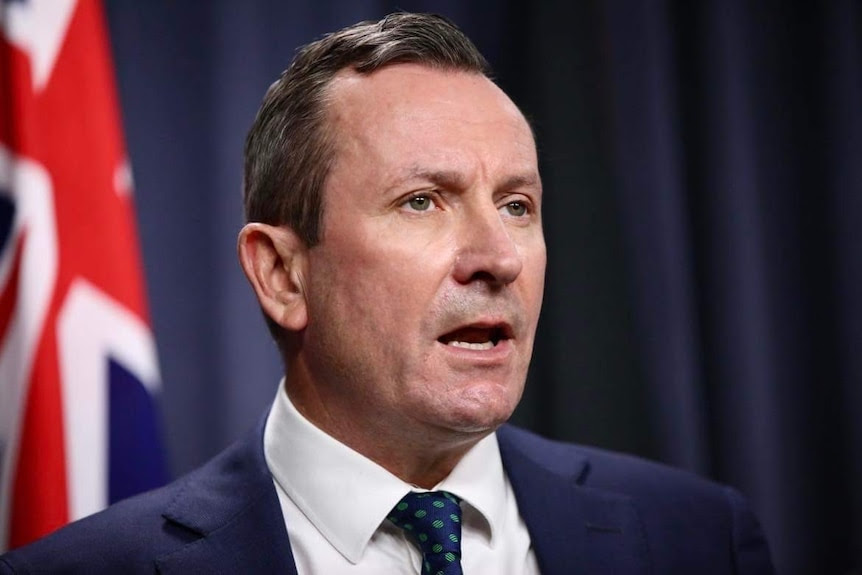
(455, 180)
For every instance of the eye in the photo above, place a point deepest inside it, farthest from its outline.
(517, 209)
(419, 203)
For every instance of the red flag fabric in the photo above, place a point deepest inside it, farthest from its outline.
(78, 369)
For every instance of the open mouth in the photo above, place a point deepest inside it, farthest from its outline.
(477, 337)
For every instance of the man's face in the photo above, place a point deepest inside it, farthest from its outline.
(425, 289)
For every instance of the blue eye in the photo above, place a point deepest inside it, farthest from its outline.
(516, 209)
(419, 203)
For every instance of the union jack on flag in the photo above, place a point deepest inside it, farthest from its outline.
(78, 369)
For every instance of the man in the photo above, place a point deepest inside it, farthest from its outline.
(395, 246)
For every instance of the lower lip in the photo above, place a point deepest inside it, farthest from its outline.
(496, 354)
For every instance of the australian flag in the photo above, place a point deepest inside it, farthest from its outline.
(79, 376)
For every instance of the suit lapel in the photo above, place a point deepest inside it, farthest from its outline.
(574, 529)
(232, 506)
(230, 512)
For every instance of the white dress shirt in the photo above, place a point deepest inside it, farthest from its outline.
(335, 502)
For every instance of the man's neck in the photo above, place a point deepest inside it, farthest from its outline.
(422, 457)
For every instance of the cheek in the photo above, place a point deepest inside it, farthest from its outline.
(537, 290)
(534, 272)
(375, 298)
(390, 276)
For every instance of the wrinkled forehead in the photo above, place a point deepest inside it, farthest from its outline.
(427, 110)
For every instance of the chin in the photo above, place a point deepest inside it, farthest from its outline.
(481, 414)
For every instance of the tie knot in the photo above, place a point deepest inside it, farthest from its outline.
(433, 521)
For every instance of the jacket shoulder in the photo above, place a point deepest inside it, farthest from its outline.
(131, 535)
(125, 537)
(599, 468)
(684, 517)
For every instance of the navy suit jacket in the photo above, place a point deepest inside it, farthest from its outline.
(588, 511)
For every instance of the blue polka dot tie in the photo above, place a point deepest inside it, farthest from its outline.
(433, 521)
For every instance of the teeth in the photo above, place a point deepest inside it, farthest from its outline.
(468, 345)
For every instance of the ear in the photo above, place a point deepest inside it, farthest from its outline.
(274, 261)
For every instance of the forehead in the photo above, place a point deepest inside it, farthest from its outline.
(413, 115)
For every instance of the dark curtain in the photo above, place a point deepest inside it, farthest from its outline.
(703, 172)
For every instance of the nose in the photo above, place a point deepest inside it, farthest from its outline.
(487, 251)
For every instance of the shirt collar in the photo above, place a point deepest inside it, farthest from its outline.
(346, 496)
